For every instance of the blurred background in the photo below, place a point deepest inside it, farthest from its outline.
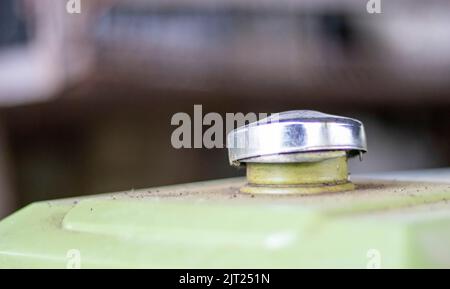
(86, 99)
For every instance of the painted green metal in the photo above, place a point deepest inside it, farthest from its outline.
(324, 172)
(212, 225)
(307, 173)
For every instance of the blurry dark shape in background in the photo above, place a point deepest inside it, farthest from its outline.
(87, 98)
(12, 25)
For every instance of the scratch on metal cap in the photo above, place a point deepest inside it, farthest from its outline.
(296, 131)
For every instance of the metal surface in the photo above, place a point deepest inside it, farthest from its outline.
(327, 173)
(298, 157)
(297, 152)
(294, 132)
(212, 225)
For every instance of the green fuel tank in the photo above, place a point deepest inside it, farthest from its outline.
(380, 224)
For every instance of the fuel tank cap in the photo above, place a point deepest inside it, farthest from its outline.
(297, 152)
(295, 131)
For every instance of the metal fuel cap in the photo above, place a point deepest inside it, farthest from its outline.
(299, 151)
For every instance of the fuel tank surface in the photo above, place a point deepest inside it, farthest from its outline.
(387, 224)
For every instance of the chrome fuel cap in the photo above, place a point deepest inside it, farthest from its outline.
(297, 152)
(280, 137)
